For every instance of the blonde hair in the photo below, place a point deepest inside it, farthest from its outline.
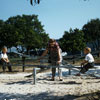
(52, 40)
(88, 49)
(4, 48)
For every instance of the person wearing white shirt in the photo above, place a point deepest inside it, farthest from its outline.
(88, 62)
(4, 60)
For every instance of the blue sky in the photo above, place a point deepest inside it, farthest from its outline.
(57, 16)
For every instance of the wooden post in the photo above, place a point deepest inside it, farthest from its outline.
(73, 59)
(23, 61)
(69, 71)
(34, 76)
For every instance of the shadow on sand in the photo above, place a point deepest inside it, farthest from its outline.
(41, 96)
(48, 96)
(29, 81)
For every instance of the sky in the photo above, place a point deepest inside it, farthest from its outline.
(57, 16)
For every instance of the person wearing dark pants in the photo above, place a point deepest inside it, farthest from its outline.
(88, 62)
(4, 60)
(86, 67)
(6, 64)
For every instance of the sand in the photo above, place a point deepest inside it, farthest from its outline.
(18, 87)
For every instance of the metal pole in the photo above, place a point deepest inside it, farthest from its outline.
(23, 60)
(69, 71)
(34, 76)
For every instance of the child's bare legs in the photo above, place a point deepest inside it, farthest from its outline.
(53, 73)
(60, 74)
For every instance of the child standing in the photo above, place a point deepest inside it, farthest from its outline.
(55, 58)
(4, 60)
(88, 62)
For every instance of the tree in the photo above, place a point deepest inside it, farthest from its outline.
(92, 32)
(1, 26)
(72, 41)
(8, 35)
(26, 31)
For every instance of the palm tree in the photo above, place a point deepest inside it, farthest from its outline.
(34, 1)
(38, 1)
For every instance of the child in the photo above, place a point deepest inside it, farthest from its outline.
(4, 60)
(88, 62)
(55, 57)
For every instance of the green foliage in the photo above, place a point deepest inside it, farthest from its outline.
(72, 41)
(25, 30)
(92, 31)
(1, 26)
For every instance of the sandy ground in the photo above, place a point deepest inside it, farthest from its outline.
(17, 87)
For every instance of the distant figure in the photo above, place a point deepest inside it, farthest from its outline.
(4, 60)
(88, 62)
(55, 58)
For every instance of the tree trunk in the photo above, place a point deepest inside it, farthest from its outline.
(28, 51)
(98, 44)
